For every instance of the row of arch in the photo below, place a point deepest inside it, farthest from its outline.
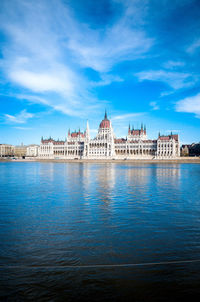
(165, 153)
(69, 152)
(99, 145)
(136, 152)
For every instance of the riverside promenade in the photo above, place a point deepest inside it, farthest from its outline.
(179, 160)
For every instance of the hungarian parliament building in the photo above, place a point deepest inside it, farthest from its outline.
(79, 145)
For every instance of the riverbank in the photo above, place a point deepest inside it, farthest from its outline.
(128, 161)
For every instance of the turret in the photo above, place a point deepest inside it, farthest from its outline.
(129, 129)
(87, 132)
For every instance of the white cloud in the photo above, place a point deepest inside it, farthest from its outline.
(175, 80)
(173, 64)
(189, 105)
(154, 106)
(22, 128)
(47, 49)
(42, 82)
(165, 93)
(173, 131)
(20, 118)
(107, 79)
(193, 47)
(127, 116)
(123, 40)
(119, 43)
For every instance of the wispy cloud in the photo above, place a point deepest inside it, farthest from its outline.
(165, 93)
(22, 128)
(189, 105)
(176, 80)
(193, 47)
(173, 131)
(154, 106)
(173, 64)
(123, 40)
(20, 118)
(127, 116)
(48, 48)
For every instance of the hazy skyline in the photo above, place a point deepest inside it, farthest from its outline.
(63, 62)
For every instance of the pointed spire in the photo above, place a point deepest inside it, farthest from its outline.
(141, 126)
(41, 138)
(87, 127)
(87, 132)
(145, 128)
(105, 117)
(69, 132)
(159, 134)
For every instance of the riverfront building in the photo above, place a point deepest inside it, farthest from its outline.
(32, 151)
(6, 150)
(106, 146)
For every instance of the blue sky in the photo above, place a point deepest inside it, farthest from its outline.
(63, 62)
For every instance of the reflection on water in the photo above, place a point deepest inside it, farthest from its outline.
(56, 215)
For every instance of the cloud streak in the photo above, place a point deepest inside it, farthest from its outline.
(193, 47)
(189, 105)
(176, 80)
(20, 118)
(48, 49)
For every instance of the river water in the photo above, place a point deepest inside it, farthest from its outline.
(99, 232)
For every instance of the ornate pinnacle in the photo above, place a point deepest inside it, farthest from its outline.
(105, 117)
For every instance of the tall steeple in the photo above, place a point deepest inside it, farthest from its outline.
(105, 117)
(87, 132)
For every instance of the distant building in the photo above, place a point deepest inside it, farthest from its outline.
(32, 151)
(20, 151)
(185, 150)
(106, 146)
(6, 150)
(190, 150)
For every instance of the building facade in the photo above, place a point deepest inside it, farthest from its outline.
(32, 151)
(6, 150)
(20, 151)
(79, 145)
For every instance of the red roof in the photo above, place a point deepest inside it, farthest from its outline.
(46, 141)
(77, 134)
(175, 136)
(105, 124)
(120, 140)
(168, 137)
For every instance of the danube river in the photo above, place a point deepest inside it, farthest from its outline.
(99, 232)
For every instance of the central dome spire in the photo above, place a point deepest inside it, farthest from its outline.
(105, 117)
(105, 123)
